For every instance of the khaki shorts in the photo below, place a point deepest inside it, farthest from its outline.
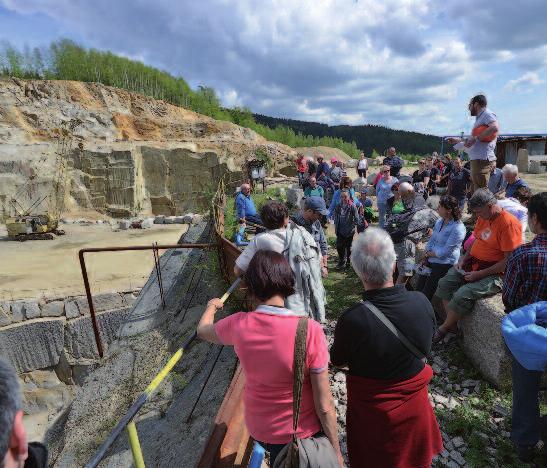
(406, 257)
(463, 295)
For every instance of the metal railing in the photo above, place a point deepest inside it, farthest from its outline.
(157, 266)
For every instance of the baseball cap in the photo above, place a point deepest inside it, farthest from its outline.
(316, 204)
(333, 160)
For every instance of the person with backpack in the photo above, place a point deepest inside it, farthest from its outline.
(389, 419)
(302, 252)
(282, 354)
(408, 228)
(346, 219)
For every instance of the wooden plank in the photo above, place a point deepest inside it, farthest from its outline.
(229, 441)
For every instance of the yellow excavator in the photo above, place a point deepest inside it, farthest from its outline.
(29, 225)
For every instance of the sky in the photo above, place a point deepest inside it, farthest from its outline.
(405, 64)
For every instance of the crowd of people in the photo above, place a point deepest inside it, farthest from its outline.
(383, 341)
(472, 218)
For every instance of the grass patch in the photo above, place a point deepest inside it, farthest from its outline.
(343, 287)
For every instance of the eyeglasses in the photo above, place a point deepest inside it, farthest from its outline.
(385, 172)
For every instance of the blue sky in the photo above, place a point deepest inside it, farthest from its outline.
(408, 64)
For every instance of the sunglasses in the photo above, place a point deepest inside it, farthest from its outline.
(385, 172)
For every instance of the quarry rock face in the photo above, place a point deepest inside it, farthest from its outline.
(127, 155)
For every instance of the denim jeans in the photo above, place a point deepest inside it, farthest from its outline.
(527, 424)
(301, 178)
(382, 210)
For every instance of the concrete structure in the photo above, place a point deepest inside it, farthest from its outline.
(508, 146)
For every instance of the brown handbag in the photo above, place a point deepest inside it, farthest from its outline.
(316, 452)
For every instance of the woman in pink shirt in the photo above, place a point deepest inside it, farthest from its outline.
(264, 342)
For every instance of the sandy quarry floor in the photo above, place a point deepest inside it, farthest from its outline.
(51, 268)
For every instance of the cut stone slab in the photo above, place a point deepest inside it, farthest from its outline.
(32, 310)
(160, 219)
(483, 342)
(71, 309)
(124, 224)
(4, 317)
(53, 309)
(101, 302)
(80, 339)
(33, 345)
(17, 311)
(294, 196)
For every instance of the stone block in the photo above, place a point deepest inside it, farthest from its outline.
(147, 223)
(536, 167)
(33, 345)
(79, 337)
(101, 302)
(522, 160)
(17, 311)
(197, 218)
(4, 319)
(294, 196)
(371, 177)
(483, 342)
(160, 219)
(129, 299)
(53, 309)
(181, 220)
(71, 309)
(124, 224)
(360, 184)
(32, 310)
(169, 220)
(187, 218)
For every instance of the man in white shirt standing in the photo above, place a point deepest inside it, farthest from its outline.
(481, 146)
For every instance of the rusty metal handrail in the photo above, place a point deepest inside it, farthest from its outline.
(155, 247)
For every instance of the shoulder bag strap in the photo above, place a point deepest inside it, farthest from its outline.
(393, 329)
(298, 369)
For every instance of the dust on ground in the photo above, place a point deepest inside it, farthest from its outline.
(51, 267)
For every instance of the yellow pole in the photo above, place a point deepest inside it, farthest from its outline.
(135, 445)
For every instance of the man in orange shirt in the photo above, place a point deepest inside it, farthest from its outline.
(478, 273)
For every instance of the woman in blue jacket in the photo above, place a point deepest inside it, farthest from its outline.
(443, 248)
(345, 184)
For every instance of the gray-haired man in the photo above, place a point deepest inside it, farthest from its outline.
(14, 450)
(479, 272)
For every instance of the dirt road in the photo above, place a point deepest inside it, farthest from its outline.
(51, 268)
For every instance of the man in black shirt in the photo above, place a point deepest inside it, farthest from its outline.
(389, 420)
(459, 182)
(434, 176)
(394, 162)
(364, 343)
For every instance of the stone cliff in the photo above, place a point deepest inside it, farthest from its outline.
(130, 154)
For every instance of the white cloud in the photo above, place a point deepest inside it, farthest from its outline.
(524, 82)
(401, 63)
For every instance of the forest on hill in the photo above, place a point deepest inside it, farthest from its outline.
(372, 139)
(66, 60)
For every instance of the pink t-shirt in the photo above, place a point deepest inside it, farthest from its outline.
(264, 342)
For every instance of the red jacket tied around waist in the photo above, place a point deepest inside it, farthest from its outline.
(391, 423)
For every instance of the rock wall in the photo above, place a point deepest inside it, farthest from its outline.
(57, 333)
(128, 154)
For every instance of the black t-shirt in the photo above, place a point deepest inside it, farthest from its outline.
(459, 180)
(370, 350)
(434, 172)
(419, 176)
